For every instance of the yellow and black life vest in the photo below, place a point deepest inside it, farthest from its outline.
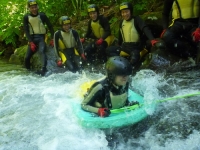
(129, 32)
(97, 29)
(185, 9)
(36, 25)
(66, 40)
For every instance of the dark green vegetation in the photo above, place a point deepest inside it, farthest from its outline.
(11, 27)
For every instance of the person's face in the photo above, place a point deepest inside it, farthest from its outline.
(33, 9)
(121, 80)
(66, 27)
(126, 14)
(93, 15)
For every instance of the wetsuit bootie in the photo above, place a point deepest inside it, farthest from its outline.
(42, 71)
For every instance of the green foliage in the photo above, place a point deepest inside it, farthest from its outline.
(12, 12)
(141, 6)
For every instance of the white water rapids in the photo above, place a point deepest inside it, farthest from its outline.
(36, 114)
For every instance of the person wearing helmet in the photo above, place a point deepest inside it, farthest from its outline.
(99, 31)
(66, 40)
(112, 91)
(34, 27)
(182, 35)
(131, 31)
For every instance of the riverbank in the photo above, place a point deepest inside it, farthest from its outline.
(6, 66)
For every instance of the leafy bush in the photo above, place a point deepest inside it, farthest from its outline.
(12, 13)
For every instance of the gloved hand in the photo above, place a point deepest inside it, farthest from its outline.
(133, 103)
(59, 63)
(103, 112)
(163, 32)
(153, 42)
(83, 56)
(196, 35)
(82, 40)
(33, 46)
(51, 43)
(99, 41)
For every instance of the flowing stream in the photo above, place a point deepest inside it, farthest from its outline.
(36, 112)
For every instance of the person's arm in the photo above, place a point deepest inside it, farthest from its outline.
(89, 30)
(48, 23)
(120, 40)
(166, 12)
(95, 93)
(77, 39)
(26, 28)
(199, 15)
(106, 26)
(144, 28)
(56, 45)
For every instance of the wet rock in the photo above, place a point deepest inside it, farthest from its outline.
(20, 53)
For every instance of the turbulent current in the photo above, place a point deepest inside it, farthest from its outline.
(36, 112)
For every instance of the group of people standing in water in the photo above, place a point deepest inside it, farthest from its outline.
(112, 92)
(131, 42)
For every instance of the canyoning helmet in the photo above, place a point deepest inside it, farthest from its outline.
(64, 20)
(31, 2)
(93, 7)
(117, 65)
(126, 5)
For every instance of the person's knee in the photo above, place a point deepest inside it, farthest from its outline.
(113, 51)
(134, 57)
(168, 35)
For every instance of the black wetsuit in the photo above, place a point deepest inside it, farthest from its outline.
(133, 47)
(70, 40)
(91, 48)
(37, 38)
(104, 94)
(179, 32)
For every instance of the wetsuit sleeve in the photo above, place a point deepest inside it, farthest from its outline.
(106, 26)
(26, 28)
(120, 40)
(48, 23)
(144, 28)
(199, 16)
(89, 30)
(93, 96)
(56, 45)
(166, 12)
(77, 39)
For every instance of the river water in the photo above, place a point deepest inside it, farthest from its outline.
(36, 112)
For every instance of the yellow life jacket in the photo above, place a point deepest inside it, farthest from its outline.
(66, 41)
(97, 29)
(129, 32)
(118, 101)
(36, 25)
(185, 9)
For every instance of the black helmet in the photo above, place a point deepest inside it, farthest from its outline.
(117, 65)
(126, 5)
(64, 20)
(31, 2)
(93, 7)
